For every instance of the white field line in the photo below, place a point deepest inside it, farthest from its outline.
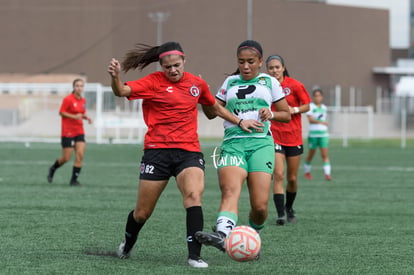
(209, 164)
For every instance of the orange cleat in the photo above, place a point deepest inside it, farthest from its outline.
(308, 176)
(328, 177)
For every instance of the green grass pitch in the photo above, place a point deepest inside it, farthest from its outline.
(362, 222)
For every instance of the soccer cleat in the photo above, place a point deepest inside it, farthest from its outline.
(50, 174)
(291, 217)
(308, 175)
(74, 183)
(197, 263)
(121, 251)
(328, 177)
(215, 239)
(280, 220)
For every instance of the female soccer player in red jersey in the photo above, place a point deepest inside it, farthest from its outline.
(72, 112)
(288, 140)
(247, 156)
(171, 145)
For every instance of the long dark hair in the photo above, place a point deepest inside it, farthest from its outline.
(249, 44)
(143, 55)
(277, 57)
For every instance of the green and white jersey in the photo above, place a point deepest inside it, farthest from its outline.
(320, 114)
(244, 98)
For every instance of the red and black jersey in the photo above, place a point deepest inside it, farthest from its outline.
(170, 109)
(290, 134)
(72, 105)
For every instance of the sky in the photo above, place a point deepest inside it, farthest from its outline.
(399, 17)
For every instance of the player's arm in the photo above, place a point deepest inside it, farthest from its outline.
(299, 109)
(218, 109)
(87, 118)
(283, 113)
(209, 111)
(117, 85)
(313, 120)
(72, 116)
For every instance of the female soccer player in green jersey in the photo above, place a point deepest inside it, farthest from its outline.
(245, 156)
(318, 134)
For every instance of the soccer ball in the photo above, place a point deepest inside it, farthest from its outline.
(243, 243)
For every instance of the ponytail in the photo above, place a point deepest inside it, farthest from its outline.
(143, 55)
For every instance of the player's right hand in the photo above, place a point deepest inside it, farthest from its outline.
(114, 67)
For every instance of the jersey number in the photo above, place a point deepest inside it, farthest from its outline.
(245, 90)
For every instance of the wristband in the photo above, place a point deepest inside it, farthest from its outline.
(273, 115)
(239, 124)
(295, 110)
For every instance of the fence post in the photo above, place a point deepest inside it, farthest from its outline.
(403, 123)
(379, 100)
(99, 101)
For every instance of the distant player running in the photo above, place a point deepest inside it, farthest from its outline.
(318, 134)
(72, 111)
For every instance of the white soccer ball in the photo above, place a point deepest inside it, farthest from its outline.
(243, 243)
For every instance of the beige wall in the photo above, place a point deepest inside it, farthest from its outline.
(322, 45)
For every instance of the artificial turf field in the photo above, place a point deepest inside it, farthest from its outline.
(362, 222)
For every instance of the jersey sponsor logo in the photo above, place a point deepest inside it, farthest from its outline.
(194, 91)
(286, 91)
(227, 160)
(169, 89)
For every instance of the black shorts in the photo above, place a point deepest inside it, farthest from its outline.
(70, 141)
(289, 151)
(161, 164)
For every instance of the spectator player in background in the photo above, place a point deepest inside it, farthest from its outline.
(288, 140)
(318, 135)
(246, 156)
(171, 145)
(73, 112)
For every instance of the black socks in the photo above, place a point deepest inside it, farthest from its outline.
(131, 231)
(195, 222)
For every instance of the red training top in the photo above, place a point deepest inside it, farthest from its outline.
(72, 105)
(170, 109)
(290, 134)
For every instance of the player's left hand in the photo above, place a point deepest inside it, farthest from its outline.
(249, 124)
(265, 114)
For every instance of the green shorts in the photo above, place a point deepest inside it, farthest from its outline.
(315, 142)
(251, 154)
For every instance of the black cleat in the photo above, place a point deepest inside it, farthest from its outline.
(291, 217)
(280, 220)
(50, 174)
(215, 239)
(74, 183)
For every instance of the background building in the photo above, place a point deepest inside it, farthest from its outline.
(323, 45)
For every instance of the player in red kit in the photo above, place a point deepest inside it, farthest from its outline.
(171, 146)
(288, 140)
(73, 113)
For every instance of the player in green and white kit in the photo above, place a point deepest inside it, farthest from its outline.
(318, 134)
(248, 94)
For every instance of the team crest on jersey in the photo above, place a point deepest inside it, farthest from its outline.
(194, 91)
(262, 81)
(286, 91)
